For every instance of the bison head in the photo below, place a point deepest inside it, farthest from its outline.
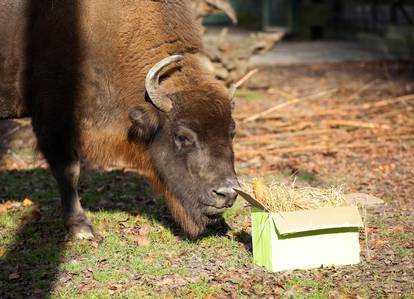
(188, 135)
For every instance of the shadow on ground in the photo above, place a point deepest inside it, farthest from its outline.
(30, 265)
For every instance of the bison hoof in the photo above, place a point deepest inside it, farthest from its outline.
(81, 229)
(82, 232)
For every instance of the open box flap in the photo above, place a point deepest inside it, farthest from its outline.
(311, 220)
(250, 199)
(362, 199)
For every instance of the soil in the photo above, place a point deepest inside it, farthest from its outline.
(383, 165)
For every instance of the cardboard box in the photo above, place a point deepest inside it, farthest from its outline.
(305, 239)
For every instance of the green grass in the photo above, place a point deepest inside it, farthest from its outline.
(118, 205)
(249, 95)
(402, 252)
(200, 289)
(314, 289)
(40, 249)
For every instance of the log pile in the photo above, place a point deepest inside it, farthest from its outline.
(204, 8)
(229, 59)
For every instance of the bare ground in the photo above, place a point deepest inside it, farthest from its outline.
(349, 124)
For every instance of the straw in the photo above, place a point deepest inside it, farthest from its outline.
(281, 197)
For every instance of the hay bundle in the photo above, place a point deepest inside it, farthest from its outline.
(280, 197)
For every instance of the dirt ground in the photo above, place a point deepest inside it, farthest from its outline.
(349, 124)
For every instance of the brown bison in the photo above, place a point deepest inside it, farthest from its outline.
(120, 82)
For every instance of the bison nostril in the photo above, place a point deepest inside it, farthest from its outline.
(226, 193)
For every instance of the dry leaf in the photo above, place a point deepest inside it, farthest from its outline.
(398, 228)
(34, 215)
(14, 276)
(191, 295)
(144, 230)
(148, 260)
(140, 240)
(100, 188)
(378, 243)
(115, 287)
(8, 205)
(38, 291)
(95, 245)
(68, 243)
(166, 281)
(1, 252)
(27, 202)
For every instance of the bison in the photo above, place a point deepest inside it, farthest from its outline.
(121, 82)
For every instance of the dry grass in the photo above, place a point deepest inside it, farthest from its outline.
(281, 197)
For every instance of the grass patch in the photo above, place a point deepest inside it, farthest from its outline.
(119, 204)
(402, 252)
(249, 95)
(200, 289)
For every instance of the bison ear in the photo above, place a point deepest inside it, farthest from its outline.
(145, 122)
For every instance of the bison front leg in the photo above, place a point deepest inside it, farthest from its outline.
(67, 176)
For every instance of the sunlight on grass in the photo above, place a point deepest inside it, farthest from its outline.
(200, 289)
(249, 95)
(92, 268)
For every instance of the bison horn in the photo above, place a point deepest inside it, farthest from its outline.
(152, 84)
(232, 92)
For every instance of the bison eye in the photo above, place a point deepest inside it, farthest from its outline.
(185, 139)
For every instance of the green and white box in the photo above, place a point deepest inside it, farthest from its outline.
(305, 239)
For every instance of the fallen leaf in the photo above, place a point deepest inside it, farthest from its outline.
(1, 252)
(34, 215)
(100, 188)
(148, 260)
(9, 205)
(378, 243)
(140, 240)
(123, 223)
(191, 295)
(144, 230)
(319, 277)
(398, 228)
(334, 294)
(168, 263)
(38, 291)
(165, 281)
(115, 287)
(14, 276)
(84, 287)
(27, 202)
(278, 291)
(68, 243)
(95, 245)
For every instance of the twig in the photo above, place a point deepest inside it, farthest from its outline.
(9, 133)
(270, 110)
(245, 78)
(360, 90)
(353, 123)
(318, 148)
(383, 103)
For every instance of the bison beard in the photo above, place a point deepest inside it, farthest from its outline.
(187, 218)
